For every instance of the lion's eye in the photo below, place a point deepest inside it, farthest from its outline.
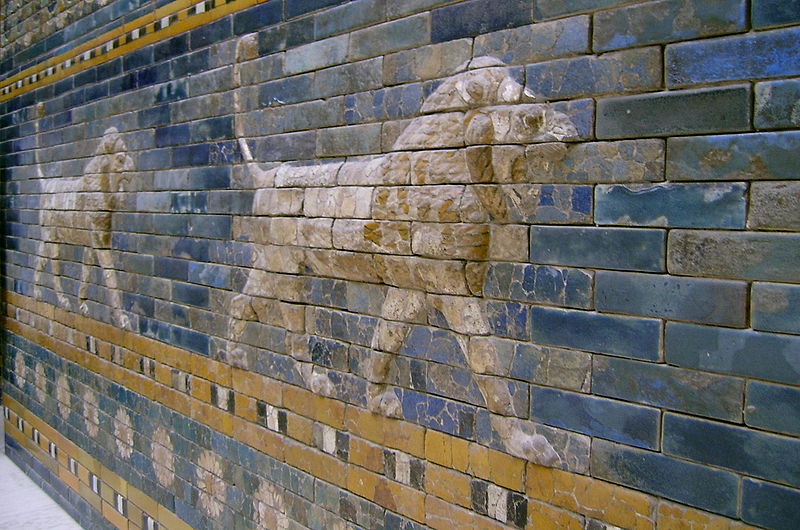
(475, 90)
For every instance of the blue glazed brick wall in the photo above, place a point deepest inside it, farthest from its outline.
(426, 263)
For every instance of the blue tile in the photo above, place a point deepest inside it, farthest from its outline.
(638, 338)
(752, 56)
(473, 17)
(752, 452)
(769, 505)
(773, 407)
(612, 248)
(732, 351)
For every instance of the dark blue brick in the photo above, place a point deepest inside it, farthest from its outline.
(153, 116)
(138, 58)
(776, 307)
(171, 48)
(668, 387)
(773, 407)
(289, 90)
(189, 202)
(474, 17)
(509, 319)
(434, 344)
(176, 269)
(86, 77)
(172, 135)
(674, 205)
(155, 159)
(194, 249)
(210, 177)
(611, 248)
(672, 297)
(190, 155)
(775, 12)
(603, 418)
(210, 33)
(172, 91)
(196, 295)
(278, 38)
(757, 55)
(770, 505)
(696, 485)
(639, 338)
(152, 75)
(299, 7)
(122, 83)
(732, 351)
(539, 284)
(142, 305)
(665, 21)
(257, 17)
(759, 156)
(109, 69)
(749, 451)
(705, 110)
(211, 226)
(211, 129)
(190, 64)
(776, 104)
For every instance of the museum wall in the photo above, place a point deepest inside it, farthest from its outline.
(404, 264)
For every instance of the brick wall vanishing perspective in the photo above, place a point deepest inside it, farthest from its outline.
(403, 264)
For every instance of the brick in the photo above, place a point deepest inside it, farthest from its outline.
(536, 203)
(448, 485)
(749, 451)
(752, 56)
(668, 387)
(776, 307)
(705, 110)
(409, 32)
(348, 78)
(772, 206)
(732, 351)
(597, 417)
(776, 104)
(611, 73)
(539, 284)
(615, 335)
(767, 13)
(551, 366)
(257, 17)
(554, 8)
(508, 319)
(349, 140)
(350, 16)
(318, 54)
(769, 505)
(666, 21)
(455, 241)
(773, 407)
(760, 156)
(736, 255)
(696, 485)
(597, 162)
(296, 8)
(426, 62)
(536, 42)
(672, 297)
(672, 205)
(471, 18)
(612, 248)
(591, 497)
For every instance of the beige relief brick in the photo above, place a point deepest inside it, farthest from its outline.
(344, 202)
(423, 203)
(459, 241)
(278, 201)
(385, 237)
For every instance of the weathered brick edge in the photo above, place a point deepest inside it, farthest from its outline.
(457, 473)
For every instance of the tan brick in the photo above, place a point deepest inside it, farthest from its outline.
(366, 454)
(673, 516)
(365, 424)
(438, 448)
(256, 385)
(299, 428)
(405, 436)
(442, 515)
(544, 516)
(506, 470)
(448, 485)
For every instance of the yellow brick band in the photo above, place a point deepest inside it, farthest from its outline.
(76, 469)
(169, 20)
(557, 499)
